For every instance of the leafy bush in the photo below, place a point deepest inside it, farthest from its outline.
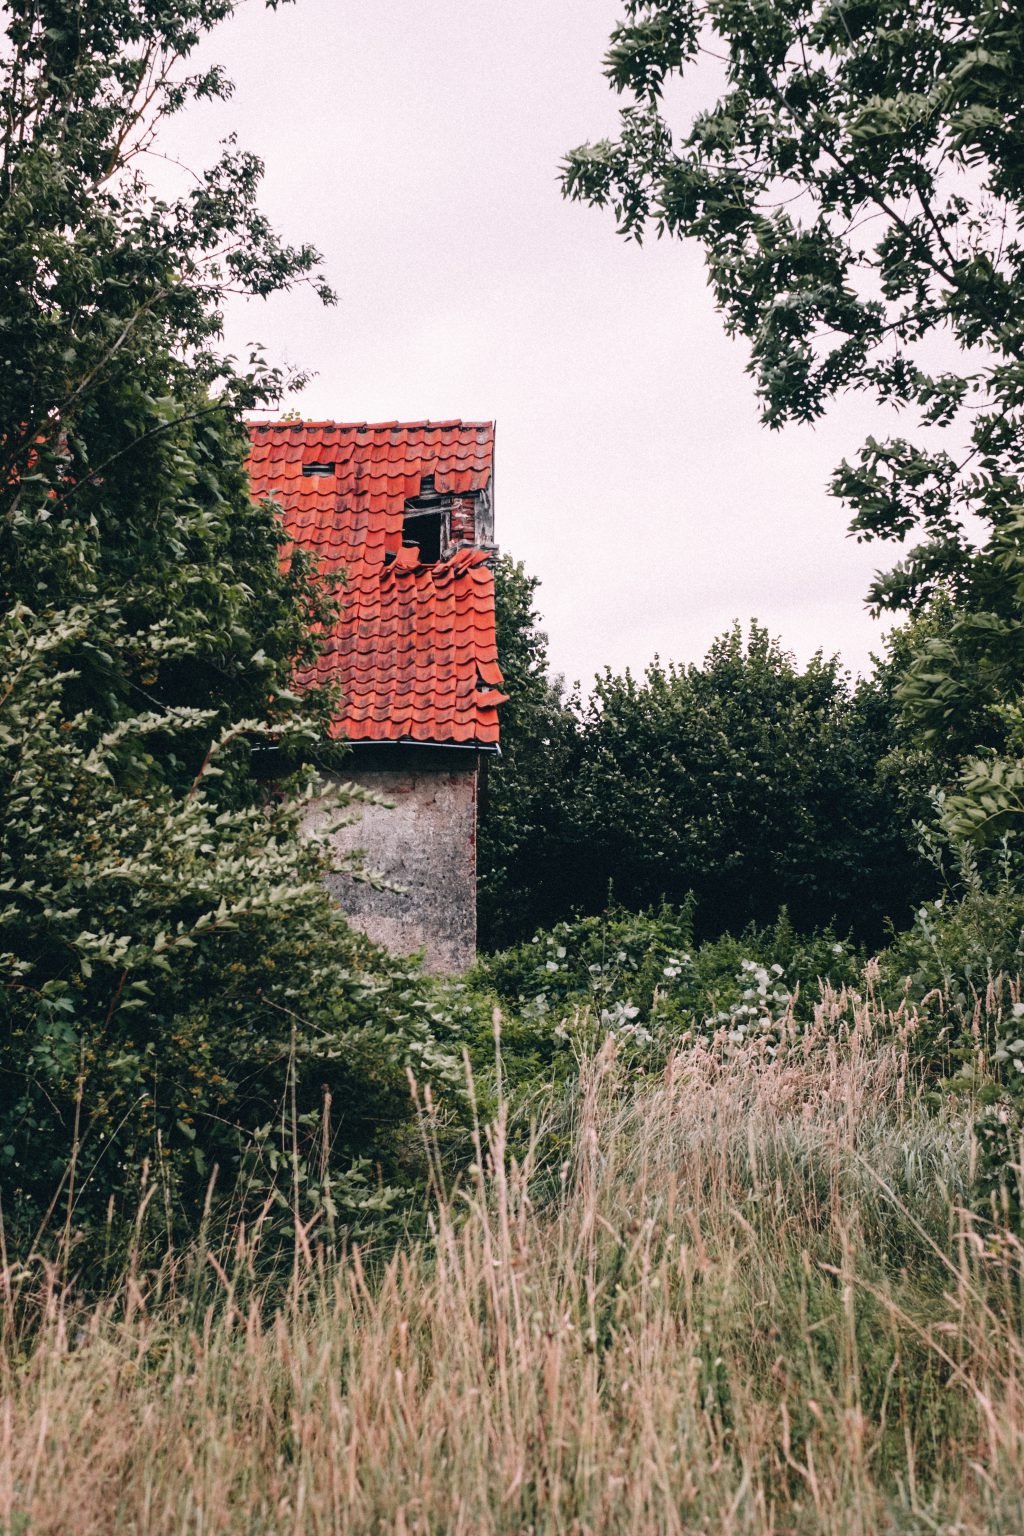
(524, 871)
(177, 990)
(962, 940)
(641, 978)
(177, 993)
(747, 780)
(961, 964)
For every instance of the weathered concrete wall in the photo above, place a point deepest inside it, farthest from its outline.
(427, 844)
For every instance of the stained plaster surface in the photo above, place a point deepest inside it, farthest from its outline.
(426, 844)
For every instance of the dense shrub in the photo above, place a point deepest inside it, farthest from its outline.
(177, 994)
(641, 979)
(961, 965)
(179, 991)
(524, 873)
(746, 780)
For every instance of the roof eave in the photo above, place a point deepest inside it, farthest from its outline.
(492, 747)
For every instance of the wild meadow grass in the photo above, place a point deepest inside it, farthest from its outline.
(746, 1295)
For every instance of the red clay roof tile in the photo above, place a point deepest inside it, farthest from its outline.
(414, 649)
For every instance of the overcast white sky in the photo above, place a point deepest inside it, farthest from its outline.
(418, 145)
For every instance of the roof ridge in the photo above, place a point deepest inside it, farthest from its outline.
(291, 424)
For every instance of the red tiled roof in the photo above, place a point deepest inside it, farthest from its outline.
(415, 650)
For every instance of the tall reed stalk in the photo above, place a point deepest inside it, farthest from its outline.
(750, 1300)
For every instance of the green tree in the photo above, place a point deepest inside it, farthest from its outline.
(169, 960)
(857, 190)
(746, 781)
(521, 857)
(121, 457)
(749, 782)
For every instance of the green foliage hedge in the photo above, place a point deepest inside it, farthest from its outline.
(747, 780)
(180, 1002)
(643, 979)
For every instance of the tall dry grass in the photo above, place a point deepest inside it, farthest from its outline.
(748, 1301)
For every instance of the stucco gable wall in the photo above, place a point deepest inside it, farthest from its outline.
(427, 844)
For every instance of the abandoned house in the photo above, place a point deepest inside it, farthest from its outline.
(406, 512)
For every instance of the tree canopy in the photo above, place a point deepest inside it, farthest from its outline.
(749, 782)
(857, 189)
(521, 867)
(745, 781)
(169, 957)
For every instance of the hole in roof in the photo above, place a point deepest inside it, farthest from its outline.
(318, 471)
(422, 531)
(427, 486)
